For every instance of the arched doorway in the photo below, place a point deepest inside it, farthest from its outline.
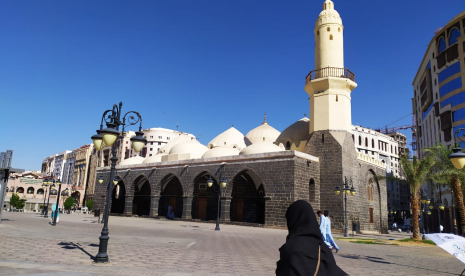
(248, 198)
(141, 201)
(373, 196)
(118, 198)
(171, 195)
(20, 190)
(30, 190)
(205, 199)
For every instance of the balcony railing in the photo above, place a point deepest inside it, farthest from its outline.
(330, 72)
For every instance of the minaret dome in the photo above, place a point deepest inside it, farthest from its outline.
(329, 43)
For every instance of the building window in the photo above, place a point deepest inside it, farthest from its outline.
(330, 37)
(288, 145)
(373, 143)
(370, 192)
(366, 142)
(150, 155)
(454, 35)
(442, 45)
(371, 215)
(360, 140)
(126, 142)
(167, 138)
(159, 137)
(151, 143)
(151, 149)
(159, 143)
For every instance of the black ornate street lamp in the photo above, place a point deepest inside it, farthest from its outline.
(107, 137)
(223, 184)
(51, 184)
(347, 190)
(424, 201)
(54, 223)
(45, 188)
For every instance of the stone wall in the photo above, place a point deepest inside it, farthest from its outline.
(281, 182)
(338, 159)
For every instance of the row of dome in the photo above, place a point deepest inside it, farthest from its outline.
(261, 139)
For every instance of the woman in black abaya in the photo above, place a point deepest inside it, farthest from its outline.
(304, 252)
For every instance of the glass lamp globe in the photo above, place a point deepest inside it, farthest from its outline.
(100, 179)
(115, 181)
(441, 207)
(98, 141)
(430, 207)
(337, 191)
(138, 141)
(210, 182)
(224, 182)
(110, 134)
(457, 158)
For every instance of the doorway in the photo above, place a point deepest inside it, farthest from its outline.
(202, 208)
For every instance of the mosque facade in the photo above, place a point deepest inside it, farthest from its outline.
(265, 170)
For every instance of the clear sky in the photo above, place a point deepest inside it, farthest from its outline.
(202, 64)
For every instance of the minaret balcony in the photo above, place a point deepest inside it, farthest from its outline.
(330, 72)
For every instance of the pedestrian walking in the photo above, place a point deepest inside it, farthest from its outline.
(323, 229)
(329, 235)
(305, 253)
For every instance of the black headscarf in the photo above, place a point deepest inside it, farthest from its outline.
(299, 255)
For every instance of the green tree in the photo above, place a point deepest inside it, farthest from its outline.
(415, 171)
(445, 173)
(90, 204)
(69, 203)
(16, 202)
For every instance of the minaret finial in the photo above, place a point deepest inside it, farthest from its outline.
(264, 121)
(305, 115)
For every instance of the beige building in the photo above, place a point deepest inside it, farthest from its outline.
(81, 172)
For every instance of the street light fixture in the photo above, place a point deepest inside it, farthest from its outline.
(45, 188)
(347, 191)
(107, 137)
(223, 184)
(51, 184)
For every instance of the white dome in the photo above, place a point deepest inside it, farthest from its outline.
(297, 132)
(154, 158)
(261, 147)
(220, 151)
(231, 138)
(132, 161)
(194, 148)
(263, 133)
(181, 139)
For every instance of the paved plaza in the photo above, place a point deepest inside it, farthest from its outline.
(143, 246)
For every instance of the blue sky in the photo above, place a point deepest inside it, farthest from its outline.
(202, 64)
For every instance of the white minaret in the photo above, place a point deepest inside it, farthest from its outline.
(330, 84)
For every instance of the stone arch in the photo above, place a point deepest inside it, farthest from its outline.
(205, 199)
(118, 197)
(142, 192)
(247, 197)
(20, 190)
(171, 194)
(376, 222)
(40, 191)
(30, 190)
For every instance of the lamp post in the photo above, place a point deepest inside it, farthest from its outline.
(51, 184)
(458, 160)
(424, 206)
(223, 184)
(107, 137)
(45, 188)
(54, 223)
(347, 191)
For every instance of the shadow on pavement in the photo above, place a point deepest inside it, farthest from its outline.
(7, 220)
(72, 245)
(381, 261)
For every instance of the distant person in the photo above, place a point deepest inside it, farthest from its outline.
(323, 228)
(170, 214)
(441, 228)
(329, 236)
(305, 253)
(394, 226)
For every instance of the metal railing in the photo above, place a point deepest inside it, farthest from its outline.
(330, 72)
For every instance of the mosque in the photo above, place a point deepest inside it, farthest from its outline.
(266, 170)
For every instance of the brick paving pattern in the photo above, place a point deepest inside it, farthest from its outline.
(142, 246)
